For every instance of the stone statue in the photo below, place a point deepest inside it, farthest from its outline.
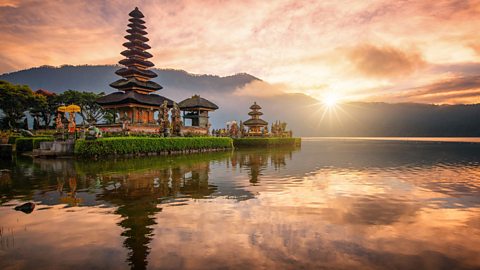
(125, 121)
(242, 129)
(265, 131)
(58, 122)
(176, 120)
(233, 129)
(93, 133)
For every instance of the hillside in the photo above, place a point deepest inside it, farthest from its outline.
(98, 78)
(303, 114)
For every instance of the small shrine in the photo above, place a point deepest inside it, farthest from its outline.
(135, 105)
(195, 114)
(256, 125)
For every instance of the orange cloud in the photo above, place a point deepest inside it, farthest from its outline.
(261, 89)
(270, 40)
(381, 62)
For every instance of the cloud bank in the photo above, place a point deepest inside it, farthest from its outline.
(311, 46)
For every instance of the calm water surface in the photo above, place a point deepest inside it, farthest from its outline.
(332, 205)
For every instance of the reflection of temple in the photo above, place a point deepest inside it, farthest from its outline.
(256, 162)
(138, 195)
(137, 188)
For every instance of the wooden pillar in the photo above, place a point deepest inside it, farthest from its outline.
(150, 119)
(131, 115)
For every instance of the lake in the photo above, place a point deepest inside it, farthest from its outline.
(331, 204)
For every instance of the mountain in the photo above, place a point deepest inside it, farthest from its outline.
(98, 78)
(304, 114)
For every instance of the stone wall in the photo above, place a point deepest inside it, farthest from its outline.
(195, 130)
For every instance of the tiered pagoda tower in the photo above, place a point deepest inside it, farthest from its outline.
(255, 124)
(135, 103)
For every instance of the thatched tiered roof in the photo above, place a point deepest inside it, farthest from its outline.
(118, 98)
(197, 102)
(255, 117)
(136, 76)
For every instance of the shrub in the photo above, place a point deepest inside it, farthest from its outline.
(26, 144)
(137, 145)
(12, 139)
(266, 142)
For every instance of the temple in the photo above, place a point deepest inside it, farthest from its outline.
(195, 114)
(135, 105)
(256, 125)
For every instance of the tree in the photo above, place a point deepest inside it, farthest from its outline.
(39, 105)
(91, 111)
(14, 101)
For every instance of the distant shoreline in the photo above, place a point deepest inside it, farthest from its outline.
(407, 139)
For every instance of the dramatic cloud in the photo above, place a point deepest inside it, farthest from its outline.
(261, 89)
(384, 62)
(311, 46)
(451, 90)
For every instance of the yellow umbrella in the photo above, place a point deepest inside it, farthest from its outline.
(73, 108)
(62, 108)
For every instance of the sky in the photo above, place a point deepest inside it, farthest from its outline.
(385, 51)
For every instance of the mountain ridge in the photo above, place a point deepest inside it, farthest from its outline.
(304, 114)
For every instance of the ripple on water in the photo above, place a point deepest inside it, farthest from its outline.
(346, 206)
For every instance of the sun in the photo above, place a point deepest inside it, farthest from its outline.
(330, 100)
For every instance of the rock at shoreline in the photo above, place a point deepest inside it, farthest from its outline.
(27, 208)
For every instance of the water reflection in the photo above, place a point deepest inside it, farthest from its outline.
(331, 205)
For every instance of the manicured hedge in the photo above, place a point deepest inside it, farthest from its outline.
(26, 144)
(12, 139)
(139, 145)
(266, 142)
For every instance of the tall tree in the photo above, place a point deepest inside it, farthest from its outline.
(39, 105)
(14, 101)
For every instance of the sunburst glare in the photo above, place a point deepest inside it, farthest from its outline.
(330, 100)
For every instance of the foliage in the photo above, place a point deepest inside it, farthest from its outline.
(38, 108)
(45, 132)
(14, 101)
(91, 111)
(266, 142)
(12, 139)
(109, 116)
(26, 144)
(44, 109)
(137, 145)
(129, 165)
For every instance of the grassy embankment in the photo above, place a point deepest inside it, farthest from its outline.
(146, 145)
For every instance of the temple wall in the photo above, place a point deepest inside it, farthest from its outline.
(110, 128)
(195, 130)
(143, 129)
(131, 128)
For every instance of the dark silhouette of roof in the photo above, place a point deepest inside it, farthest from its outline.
(133, 82)
(255, 122)
(255, 106)
(135, 74)
(133, 97)
(135, 71)
(197, 102)
(136, 13)
(255, 113)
